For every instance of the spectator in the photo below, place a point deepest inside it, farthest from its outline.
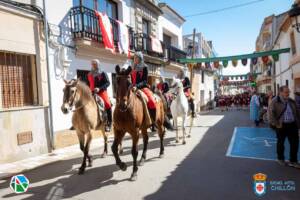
(254, 108)
(285, 119)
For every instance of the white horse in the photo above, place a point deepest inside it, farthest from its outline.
(179, 107)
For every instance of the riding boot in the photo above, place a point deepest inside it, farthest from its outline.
(152, 113)
(109, 120)
(192, 106)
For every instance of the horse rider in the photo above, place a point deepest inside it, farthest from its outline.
(99, 82)
(139, 77)
(187, 91)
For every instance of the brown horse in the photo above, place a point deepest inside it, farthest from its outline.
(85, 117)
(129, 117)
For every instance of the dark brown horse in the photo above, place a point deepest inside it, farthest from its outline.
(78, 98)
(129, 117)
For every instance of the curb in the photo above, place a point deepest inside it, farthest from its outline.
(21, 166)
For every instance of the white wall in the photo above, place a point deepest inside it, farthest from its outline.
(171, 26)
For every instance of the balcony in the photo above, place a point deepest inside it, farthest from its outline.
(173, 54)
(143, 43)
(84, 25)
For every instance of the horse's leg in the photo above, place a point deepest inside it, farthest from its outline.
(175, 123)
(121, 148)
(134, 152)
(145, 141)
(117, 141)
(105, 145)
(161, 133)
(191, 125)
(87, 149)
(183, 129)
(81, 139)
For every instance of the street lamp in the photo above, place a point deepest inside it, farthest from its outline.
(295, 12)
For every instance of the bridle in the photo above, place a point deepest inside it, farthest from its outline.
(71, 104)
(128, 93)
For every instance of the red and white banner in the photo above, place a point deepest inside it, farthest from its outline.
(123, 38)
(106, 30)
(156, 45)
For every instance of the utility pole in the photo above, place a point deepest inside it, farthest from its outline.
(193, 53)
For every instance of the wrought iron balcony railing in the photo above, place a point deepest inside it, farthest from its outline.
(84, 24)
(173, 54)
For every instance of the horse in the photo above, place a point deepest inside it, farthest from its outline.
(179, 107)
(86, 116)
(129, 117)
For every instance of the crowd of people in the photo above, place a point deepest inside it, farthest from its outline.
(238, 101)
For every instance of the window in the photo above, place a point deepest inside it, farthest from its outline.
(109, 7)
(202, 76)
(293, 43)
(18, 83)
(167, 40)
(145, 27)
(287, 82)
(106, 6)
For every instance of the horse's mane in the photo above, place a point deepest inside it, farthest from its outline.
(86, 93)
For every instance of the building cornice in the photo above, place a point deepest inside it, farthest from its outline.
(151, 6)
(162, 5)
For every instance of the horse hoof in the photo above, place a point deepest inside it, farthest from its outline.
(81, 171)
(133, 176)
(123, 166)
(121, 152)
(142, 162)
(177, 141)
(103, 155)
(161, 155)
(90, 164)
(183, 142)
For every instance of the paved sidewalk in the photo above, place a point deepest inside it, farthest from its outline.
(10, 169)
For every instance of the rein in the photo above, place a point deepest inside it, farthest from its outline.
(78, 108)
(128, 94)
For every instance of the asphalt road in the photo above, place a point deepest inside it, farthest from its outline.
(198, 170)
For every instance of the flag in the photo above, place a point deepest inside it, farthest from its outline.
(265, 59)
(106, 30)
(216, 64)
(254, 61)
(123, 38)
(244, 61)
(156, 45)
(234, 63)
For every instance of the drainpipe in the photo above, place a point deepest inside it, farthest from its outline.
(51, 135)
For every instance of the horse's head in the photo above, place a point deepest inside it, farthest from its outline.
(176, 86)
(71, 96)
(123, 87)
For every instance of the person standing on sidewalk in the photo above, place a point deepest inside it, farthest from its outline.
(297, 98)
(285, 119)
(254, 108)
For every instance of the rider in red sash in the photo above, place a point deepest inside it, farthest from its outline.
(187, 91)
(99, 82)
(139, 77)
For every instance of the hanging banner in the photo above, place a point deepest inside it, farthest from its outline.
(156, 45)
(254, 61)
(216, 64)
(275, 57)
(123, 38)
(265, 59)
(244, 61)
(207, 65)
(106, 30)
(225, 63)
(234, 63)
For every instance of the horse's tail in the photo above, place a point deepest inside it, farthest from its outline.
(167, 124)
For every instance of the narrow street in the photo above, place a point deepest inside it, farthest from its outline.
(198, 170)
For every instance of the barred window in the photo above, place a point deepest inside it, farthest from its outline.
(18, 86)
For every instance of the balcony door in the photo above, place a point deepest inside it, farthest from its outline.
(167, 40)
(109, 7)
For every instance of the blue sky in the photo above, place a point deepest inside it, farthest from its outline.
(232, 31)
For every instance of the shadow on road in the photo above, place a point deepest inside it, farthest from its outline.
(206, 173)
(67, 178)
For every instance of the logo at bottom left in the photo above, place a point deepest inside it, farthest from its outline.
(19, 183)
